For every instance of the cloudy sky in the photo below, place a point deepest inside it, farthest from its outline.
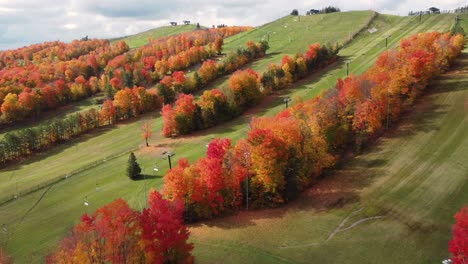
(24, 22)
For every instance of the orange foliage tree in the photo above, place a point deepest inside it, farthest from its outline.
(146, 131)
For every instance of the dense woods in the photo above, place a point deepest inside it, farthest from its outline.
(51, 77)
(245, 88)
(284, 154)
(45, 76)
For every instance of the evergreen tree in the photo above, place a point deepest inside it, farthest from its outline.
(127, 79)
(197, 119)
(167, 93)
(108, 90)
(198, 81)
(133, 169)
(291, 175)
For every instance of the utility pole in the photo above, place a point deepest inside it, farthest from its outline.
(168, 154)
(247, 158)
(145, 188)
(286, 101)
(347, 67)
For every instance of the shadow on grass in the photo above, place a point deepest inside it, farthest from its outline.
(144, 177)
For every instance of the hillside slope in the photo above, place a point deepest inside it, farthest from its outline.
(97, 162)
(33, 172)
(291, 34)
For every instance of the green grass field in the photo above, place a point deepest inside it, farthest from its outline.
(140, 39)
(291, 34)
(38, 220)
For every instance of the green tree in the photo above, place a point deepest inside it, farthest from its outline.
(133, 169)
(198, 81)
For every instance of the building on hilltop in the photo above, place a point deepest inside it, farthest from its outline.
(434, 10)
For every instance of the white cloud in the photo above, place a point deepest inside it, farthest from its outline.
(70, 26)
(24, 22)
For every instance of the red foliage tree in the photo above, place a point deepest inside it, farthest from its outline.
(458, 245)
(117, 234)
(49, 95)
(169, 125)
(163, 235)
(111, 234)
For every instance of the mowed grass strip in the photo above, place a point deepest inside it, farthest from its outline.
(63, 203)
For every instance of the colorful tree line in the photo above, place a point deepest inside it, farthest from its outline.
(180, 82)
(51, 80)
(284, 154)
(27, 90)
(54, 50)
(245, 88)
(127, 103)
(115, 233)
(149, 64)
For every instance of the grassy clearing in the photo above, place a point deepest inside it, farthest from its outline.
(63, 203)
(140, 39)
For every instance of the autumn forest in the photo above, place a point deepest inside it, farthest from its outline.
(281, 143)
